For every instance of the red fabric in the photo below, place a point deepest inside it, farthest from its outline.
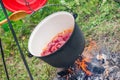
(15, 5)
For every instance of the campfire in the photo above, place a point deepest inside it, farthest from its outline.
(96, 63)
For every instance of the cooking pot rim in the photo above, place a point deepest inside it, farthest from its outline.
(42, 22)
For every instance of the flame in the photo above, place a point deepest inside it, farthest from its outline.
(82, 64)
(92, 46)
(86, 57)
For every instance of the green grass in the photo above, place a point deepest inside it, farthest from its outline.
(98, 19)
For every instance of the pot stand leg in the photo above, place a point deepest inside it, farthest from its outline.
(16, 40)
(2, 55)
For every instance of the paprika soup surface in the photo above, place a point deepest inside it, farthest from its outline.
(57, 42)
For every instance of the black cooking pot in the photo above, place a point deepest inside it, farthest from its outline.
(47, 29)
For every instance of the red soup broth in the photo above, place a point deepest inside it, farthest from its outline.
(57, 42)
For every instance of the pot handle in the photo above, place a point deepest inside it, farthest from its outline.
(29, 55)
(75, 15)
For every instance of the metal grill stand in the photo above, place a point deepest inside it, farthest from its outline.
(2, 55)
(17, 43)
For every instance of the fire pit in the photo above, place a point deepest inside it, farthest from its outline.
(96, 63)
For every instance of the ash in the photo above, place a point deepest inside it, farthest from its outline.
(106, 67)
